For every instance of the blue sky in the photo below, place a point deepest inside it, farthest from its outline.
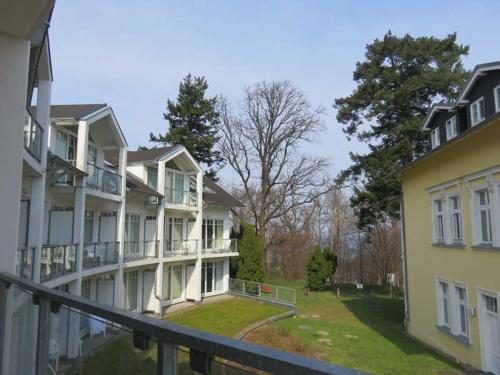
(132, 54)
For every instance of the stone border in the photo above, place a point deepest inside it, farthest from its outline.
(242, 334)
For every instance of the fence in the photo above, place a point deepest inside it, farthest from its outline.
(271, 293)
(40, 308)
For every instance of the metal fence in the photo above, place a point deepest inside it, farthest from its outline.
(39, 308)
(272, 293)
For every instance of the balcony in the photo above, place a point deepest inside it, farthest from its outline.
(141, 250)
(216, 246)
(180, 247)
(103, 180)
(25, 262)
(57, 260)
(33, 135)
(181, 197)
(99, 254)
(207, 353)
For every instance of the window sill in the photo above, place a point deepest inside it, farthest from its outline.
(462, 339)
(456, 245)
(485, 247)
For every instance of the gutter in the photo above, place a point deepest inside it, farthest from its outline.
(405, 261)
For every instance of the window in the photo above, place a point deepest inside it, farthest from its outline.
(439, 227)
(211, 277)
(212, 233)
(174, 187)
(443, 304)
(153, 177)
(175, 232)
(131, 282)
(451, 127)
(491, 304)
(496, 93)
(456, 219)
(435, 137)
(477, 111)
(65, 146)
(483, 221)
(132, 232)
(86, 287)
(461, 310)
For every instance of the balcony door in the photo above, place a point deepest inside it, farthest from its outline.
(150, 235)
(175, 187)
(22, 240)
(60, 226)
(174, 233)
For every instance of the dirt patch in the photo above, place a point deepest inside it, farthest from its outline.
(325, 341)
(352, 337)
(305, 328)
(323, 333)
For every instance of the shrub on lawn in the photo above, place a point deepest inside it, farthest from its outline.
(318, 270)
(251, 259)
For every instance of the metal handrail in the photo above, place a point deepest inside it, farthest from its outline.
(33, 136)
(181, 197)
(201, 344)
(273, 293)
(141, 249)
(58, 260)
(219, 245)
(103, 179)
(180, 247)
(99, 254)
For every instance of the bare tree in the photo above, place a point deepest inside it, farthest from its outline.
(261, 143)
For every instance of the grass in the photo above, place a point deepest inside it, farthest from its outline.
(227, 317)
(363, 331)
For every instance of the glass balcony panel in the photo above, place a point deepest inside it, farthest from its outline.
(57, 260)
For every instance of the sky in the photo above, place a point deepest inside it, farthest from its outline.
(133, 54)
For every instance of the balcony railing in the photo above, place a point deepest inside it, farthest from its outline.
(272, 293)
(219, 246)
(103, 180)
(181, 197)
(207, 351)
(180, 247)
(33, 135)
(141, 249)
(99, 254)
(25, 262)
(57, 260)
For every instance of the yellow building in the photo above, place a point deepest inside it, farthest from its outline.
(451, 221)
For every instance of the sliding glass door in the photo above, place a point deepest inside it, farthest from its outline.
(212, 275)
(173, 284)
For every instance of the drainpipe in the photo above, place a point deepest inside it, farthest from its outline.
(405, 261)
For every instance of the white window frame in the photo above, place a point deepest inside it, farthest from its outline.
(435, 141)
(454, 304)
(451, 127)
(496, 95)
(456, 213)
(476, 106)
(439, 220)
(477, 209)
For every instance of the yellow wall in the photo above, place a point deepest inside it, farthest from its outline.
(474, 268)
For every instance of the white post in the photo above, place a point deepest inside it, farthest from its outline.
(122, 156)
(160, 230)
(197, 230)
(81, 146)
(225, 280)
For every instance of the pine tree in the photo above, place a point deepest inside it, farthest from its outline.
(251, 259)
(332, 259)
(318, 270)
(192, 123)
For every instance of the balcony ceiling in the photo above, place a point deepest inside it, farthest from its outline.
(24, 18)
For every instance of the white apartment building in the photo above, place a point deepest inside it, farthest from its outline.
(140, 230)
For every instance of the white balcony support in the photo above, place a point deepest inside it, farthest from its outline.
(14, 67)
(81, 145)
(225, 272)
(43, 115)
(160, 230)
(197, 233)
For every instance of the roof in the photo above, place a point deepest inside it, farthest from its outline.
(149, 154)
(219, 195)
(436, 108)
(72, 111)
(476, 73)
(134, 183)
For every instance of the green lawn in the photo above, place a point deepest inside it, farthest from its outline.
(361, 331)
(226, 318)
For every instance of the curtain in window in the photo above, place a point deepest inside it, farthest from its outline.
(219, 275)
(176, 281)
(131, 284)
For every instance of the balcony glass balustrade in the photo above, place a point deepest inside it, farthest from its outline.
(141, 249)
(219, 245)
(181, 197)
(103, 180)
(99, 254)
(33, 134)
(57, 260)
(25, 262)
(180, 247)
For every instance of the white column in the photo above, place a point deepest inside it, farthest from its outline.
(197, 230)
(160, 230)
(82, 144)
(120, 232)
(225, 272)
(14, 66)
(37, 202)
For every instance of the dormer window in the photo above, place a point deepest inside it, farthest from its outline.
(496, 93)
(435, 137)
(451, 128)
(477, 111)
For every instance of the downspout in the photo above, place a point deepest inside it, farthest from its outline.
(405, 261)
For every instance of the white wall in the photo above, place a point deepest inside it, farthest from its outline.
(14, 65)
